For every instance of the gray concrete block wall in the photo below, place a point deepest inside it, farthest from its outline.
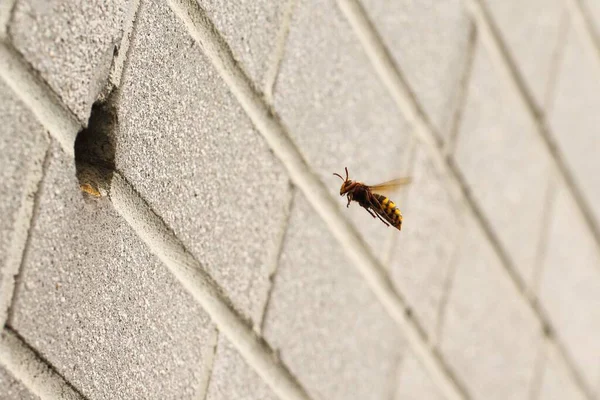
(220, 261)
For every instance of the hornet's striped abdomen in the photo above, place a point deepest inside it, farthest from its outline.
(389, 209)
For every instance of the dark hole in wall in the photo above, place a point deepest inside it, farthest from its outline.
(95, 150)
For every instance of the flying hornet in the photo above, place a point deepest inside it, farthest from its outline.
(376, 204)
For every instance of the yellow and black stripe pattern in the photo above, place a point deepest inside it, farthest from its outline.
(391, 213)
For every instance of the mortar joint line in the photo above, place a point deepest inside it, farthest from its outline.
(35, 92)
(544, 237)
(7, 9)
(449, 279)
(372, 44)
(273, 131)
(41, 359)
(121, 59)
(556, 343)
(36, 75)
(504, 61)
(211, 359)
(277, 253)
(463, 92)
(163, 242)
(251, 346)
(35, 205)
(539, 369)
(397, 376)
(559, 49)
(279, 52)
(584, 26)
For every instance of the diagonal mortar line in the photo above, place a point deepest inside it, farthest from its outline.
(384, 66)
(544, 236)
(397, 376)
(462, 92)
(63, 126)
(503, 60)
(274, 133)
(32, 370)
(555, 64)
(276, 256)
(539, 370)
(122, 56)
(400, 91)
(21, 233)
(190, 273)
(569, 363)
(448, 288)
(212, 344)
(279, 51)
(507, 66)
(6, 10)
(582, 19)
(38, 97)
(388, 71)
(406, 169)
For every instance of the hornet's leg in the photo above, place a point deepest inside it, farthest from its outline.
(375, 215)
(382, 220)
(370, 212)
(349, 200)
(377, 206)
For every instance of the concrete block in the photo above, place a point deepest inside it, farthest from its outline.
(70, 43)
(414, 383)
(504, 162)
(429, 43)
(421, 263)
(251, 29)
(189, 149)
(570, 285)
(337, 111)
(490, 337)
(232, 379)
(574, 117)
(541, 22)
(556, 381)
(12, 389)
(329, 328)
(23, 143)
(592, 9)
(99, 307)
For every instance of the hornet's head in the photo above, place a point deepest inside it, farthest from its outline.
(347, 184)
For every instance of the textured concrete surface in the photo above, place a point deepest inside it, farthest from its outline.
(573, 119)
(504, 162)
(486, 328)
(251, 28)
(114, 329)
(71, 44)
(231, 378)
(543, 23)
(556, 383)
(22, 147)
(501, 288)
(434, 68)
(316, 345)
(563, 294)
(413, 381)
(13, 389)
(231, 195)
(436, 218)
(325, 66)
(592, 10)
